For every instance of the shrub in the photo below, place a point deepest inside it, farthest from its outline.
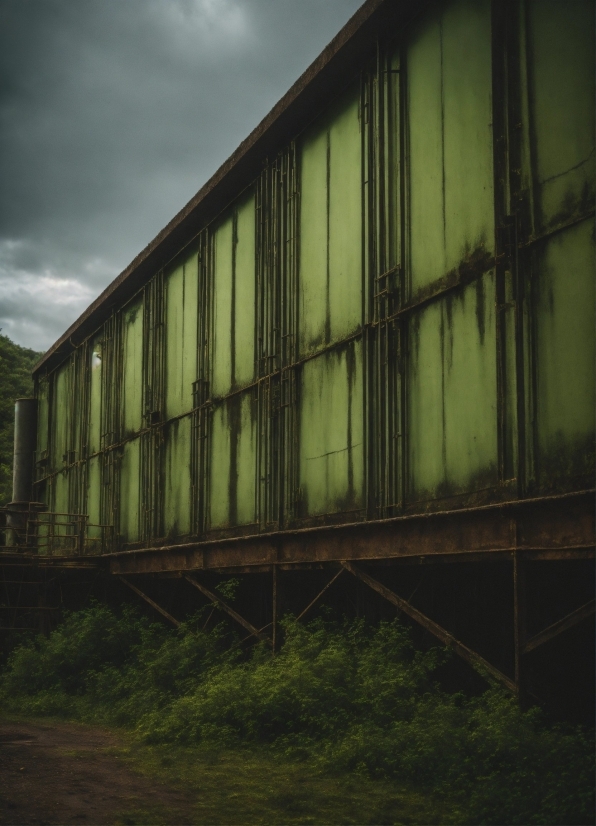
(348, 696)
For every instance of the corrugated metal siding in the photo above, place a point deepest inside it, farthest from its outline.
(450, 140)
(559, 175)
(398, 315)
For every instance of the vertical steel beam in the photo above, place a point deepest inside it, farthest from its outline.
(519, 627)
(274, 610)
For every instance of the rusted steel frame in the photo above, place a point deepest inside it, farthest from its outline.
(499, 11)
(542, 554)
(363, 525)
(456, 279)
(264, 556)
(320, 594)
(217, 600)
(519, 625)
(493, 556)
(471, 657)
(490, 555)
(48, 562)
(572, 619)
(200, 458)
(108, 449)
(544, 236)
(154, 368)
(151, 602)
(274, 610)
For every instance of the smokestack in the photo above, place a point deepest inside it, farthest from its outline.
(25, 440)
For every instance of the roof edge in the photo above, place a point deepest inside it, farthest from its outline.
(310, 93)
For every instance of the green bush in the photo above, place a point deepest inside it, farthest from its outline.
(348, 697)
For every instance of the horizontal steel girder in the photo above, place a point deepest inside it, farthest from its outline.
(557, 527)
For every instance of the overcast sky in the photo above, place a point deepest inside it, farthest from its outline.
(113, 113)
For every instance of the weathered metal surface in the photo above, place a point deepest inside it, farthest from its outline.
(331, 226)
(450, 139)
(216, 600)
(331, 466)
(452, 395)
(321, 593)
(564, 624)
(434, 628)
(392, 314)
(556, 524)
(151, 602)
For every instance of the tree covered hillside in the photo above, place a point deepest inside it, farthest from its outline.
(15, 382)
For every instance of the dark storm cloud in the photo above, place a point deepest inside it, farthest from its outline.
(113, 113)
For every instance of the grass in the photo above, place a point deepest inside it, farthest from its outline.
(255, 786)
(347, 724)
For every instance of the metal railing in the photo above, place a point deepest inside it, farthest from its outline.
(49, 533)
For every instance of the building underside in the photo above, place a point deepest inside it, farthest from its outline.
(508, 588)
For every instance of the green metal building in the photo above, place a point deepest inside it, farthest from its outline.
(370, 336)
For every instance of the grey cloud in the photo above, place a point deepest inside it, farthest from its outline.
(113, 114)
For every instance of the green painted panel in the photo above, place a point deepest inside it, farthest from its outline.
(425, 432)
(332, 432)
(345, 220)
(233, 463)
(450, 139)
(452, 394)
(130, 474)
(562, 93)
(234, 300)
(565, 353)
(43, 416)
(246, 460)
(95, 398)
(331, 227)
(133, 368)
(181, 336)
(93, 509)
(61, 397)
(314, 301)
(221, 379)
(219, 467)
(471, 423)
(427, 233)
(177, 478)
(244, 299)
(60, 493)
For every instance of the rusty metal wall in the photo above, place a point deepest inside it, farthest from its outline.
(397, 316)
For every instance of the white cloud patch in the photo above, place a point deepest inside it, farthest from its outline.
(36, 307)
(208, 24)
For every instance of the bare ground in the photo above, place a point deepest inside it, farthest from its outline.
(62, 773)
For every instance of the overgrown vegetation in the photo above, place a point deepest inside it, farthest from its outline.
(346, 697)
(16, 364)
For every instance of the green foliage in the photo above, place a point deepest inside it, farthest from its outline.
(228, 588)
(16, 364)
(349, 697)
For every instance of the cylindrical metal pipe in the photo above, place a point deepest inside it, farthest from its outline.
(25, 439)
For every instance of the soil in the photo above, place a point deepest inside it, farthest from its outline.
(62, 773)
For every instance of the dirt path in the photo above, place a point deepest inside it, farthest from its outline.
(61, 773)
